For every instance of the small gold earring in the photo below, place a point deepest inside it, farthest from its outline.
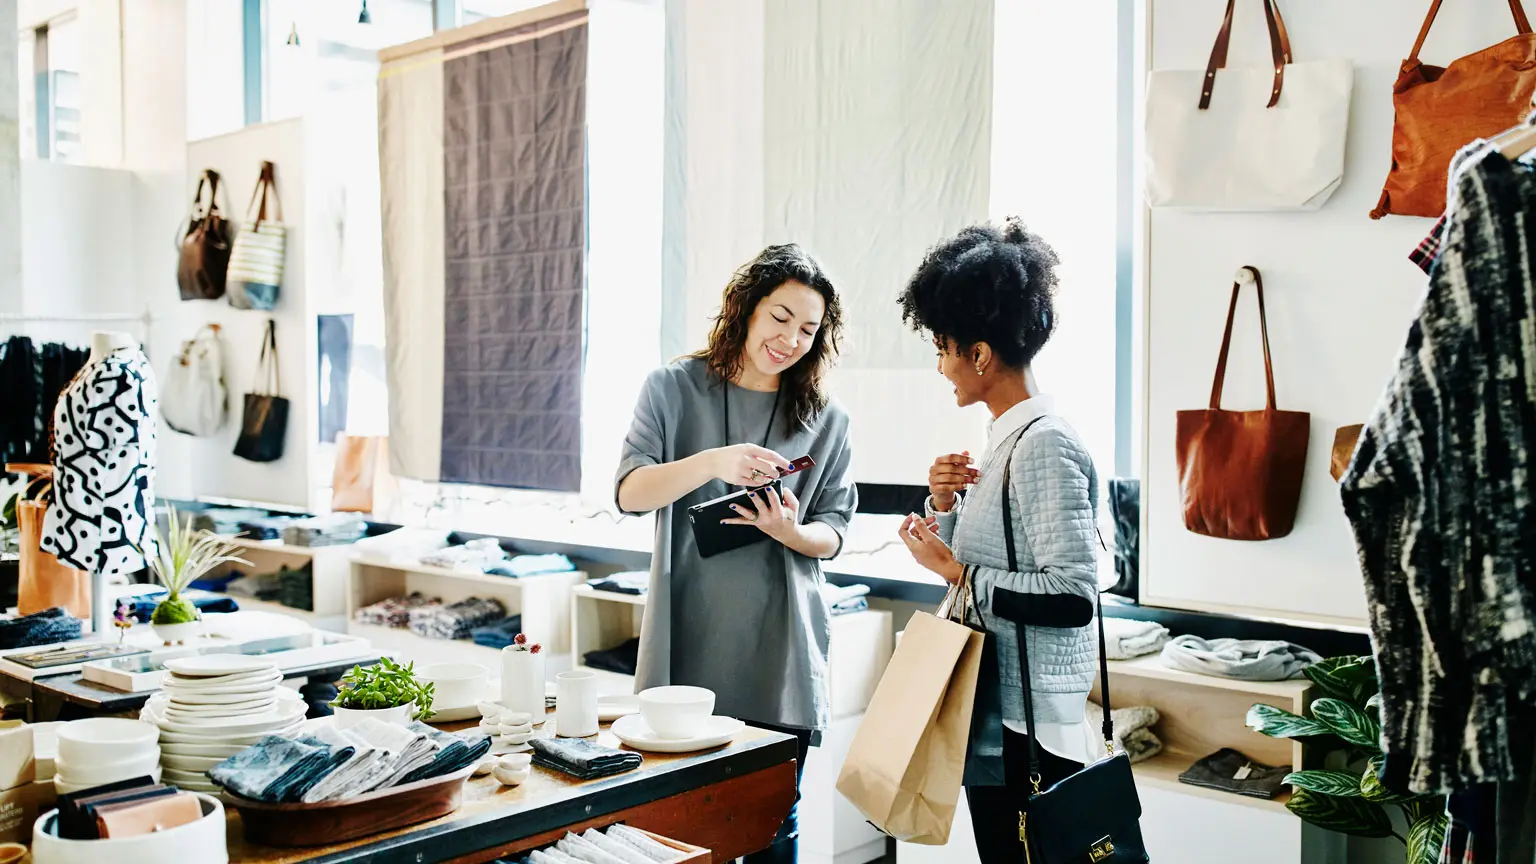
(979, 372)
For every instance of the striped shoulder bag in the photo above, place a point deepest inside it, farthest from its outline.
(256, 262)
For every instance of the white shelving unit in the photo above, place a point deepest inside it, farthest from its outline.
(604, 619)
(544, 602)
(329, 566)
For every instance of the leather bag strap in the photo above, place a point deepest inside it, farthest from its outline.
(1516, 8)
(267, 366)
(1279, 46)
(1108, 725)
(266, 185)
(1226, 344)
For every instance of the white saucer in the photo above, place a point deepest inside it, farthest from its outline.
(191, 764)
(632, 730)
(221, 751)
(217, 665)
(222, 698)
(279, 718)
(218, 740)
(454, 715)
(611, 708)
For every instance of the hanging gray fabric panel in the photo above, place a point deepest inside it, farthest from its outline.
(514, 232)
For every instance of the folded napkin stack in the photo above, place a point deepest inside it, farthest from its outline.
(616, 844)
(454, 752)
(278, 770)
(1125, 638)
(1243, 659)
(456, 620)
(581, 758)
(472, 557)
(531, 565)
(1133, 730)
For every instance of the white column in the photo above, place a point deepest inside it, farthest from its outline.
(10, 165)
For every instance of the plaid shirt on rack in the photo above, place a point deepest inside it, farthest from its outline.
(1428, 249)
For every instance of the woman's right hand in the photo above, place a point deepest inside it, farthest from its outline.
(745, 464)
(950, 475)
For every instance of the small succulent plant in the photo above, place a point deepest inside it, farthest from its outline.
(386, 685)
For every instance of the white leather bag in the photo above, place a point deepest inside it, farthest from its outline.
(1250, 138)
(194, 398)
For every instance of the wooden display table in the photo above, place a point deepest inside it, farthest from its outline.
(730, 800)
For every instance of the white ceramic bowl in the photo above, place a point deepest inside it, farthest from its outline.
(454, 685)
(200, 842)
(676, 712)
(104, 740)
(102, 773)
(64, 786)
(400, 715)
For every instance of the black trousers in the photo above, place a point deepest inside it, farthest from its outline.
(995, 809)
(786, 844)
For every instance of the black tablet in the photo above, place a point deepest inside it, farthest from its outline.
(714, 538)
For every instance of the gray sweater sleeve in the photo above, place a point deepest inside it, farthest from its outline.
(1054, 495)
(838, 498)
(646, 442)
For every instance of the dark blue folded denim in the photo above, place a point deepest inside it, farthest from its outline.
(498, 635)
(276, 770)
(581, 758)
(47, 627)
(455, 752)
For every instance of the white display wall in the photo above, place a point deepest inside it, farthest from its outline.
(1340, 292)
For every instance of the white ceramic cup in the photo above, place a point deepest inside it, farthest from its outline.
(576, 704)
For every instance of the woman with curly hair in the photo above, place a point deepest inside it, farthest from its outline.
(748, 623)
(986, 296)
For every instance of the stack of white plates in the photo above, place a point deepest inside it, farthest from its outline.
(104, 750)
(212, 707)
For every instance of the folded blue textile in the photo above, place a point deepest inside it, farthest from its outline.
(144, 603)
(455, 752)
(531, 565)
(47, 627)
(581, 758)
(499, 634)
(276, 770)
(634, 582)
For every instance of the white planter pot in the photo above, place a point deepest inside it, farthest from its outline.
(400, 715)
(522, 682)
(170, 634)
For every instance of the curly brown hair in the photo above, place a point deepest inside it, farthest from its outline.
(803, 384)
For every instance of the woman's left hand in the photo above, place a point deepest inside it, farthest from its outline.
(777, 517)
(928, 550)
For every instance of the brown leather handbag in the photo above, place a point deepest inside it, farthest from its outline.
(1441, 110)
(1240, 471)
(204, 263)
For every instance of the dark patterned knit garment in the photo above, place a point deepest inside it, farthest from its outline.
(1439, 495)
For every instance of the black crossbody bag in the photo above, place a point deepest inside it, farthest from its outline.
(1094, 816)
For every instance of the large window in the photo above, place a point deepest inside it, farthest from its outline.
(48, 66)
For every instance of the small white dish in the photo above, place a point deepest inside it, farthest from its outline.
(486, 765)
(65, 786)
(611, 708)
(510, 776)
(225, 698)
(455, 688)
(194, 764)
(104, 739)
(194, 713)
(516, 761)
(108, 772)
(676, 711)
(218, 665)
(634, 731)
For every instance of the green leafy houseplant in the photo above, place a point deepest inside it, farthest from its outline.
(1346, 795)
(180, 558)
(386, 685)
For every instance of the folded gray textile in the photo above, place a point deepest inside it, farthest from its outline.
(1231, 771)
(1244, 659)
(368, 766)
(1133, 730)
(454, 752)
(276, 770)
(581, 758)
(1126, 638)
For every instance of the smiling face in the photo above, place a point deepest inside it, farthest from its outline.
(959, 368)
(783, 328)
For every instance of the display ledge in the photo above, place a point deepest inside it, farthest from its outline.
(730, 800)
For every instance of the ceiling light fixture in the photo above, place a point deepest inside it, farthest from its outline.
(363, 17)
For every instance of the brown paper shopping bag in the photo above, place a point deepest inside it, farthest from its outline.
(44, 582)
(906, 762)
(362, 482)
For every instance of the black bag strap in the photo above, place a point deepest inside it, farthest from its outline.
(266, 365)
(1108, 726)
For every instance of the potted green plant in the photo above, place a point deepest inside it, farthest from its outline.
(180, 558)
(1345, 795)
(386, 691)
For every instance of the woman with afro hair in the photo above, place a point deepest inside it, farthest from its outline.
(986, 297)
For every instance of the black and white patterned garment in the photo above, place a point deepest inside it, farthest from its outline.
(1440, 496)
(104, 467)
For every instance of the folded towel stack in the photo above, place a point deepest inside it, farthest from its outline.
(335, 529)
(845, 599)
(394, 612)
(456, 620)
(1133, 729)
(634, 583)
(454, 752)
(278, 770)
(1125, 638)
(265, 527)
(531, 565)
(498, 634)
(581, 758)
(472, 557)
(1244, 659)
(221, 520)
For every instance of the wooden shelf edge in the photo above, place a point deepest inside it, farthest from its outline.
(1162, 772)
(1151, 667)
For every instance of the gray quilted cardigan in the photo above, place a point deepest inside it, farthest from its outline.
(1055, 501)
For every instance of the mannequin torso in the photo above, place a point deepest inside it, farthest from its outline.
(104, 342)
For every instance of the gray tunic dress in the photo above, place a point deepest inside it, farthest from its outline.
(749, 624)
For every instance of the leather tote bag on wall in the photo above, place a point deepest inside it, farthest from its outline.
(1240, 471)
(265, 423)
(256, 264)
(204, 262)
(1439, 111)
(195, 399)
(1250, 138)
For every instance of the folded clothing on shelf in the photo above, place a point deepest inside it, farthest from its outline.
(455, 620)
(403, 544)
(219, 583)
(634, 582)
(1125, 638)
(395, 611)
(498, 634)
(845, 599)
(224, 520)
(472, 557)
(1231, 771)
(296, 587)
(622, 659)
(1133, 729)
(144, 602)
(1244, 659)
(531, 565)
(581, 758)
(332, 530)
(40, 628)
(265, 528)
